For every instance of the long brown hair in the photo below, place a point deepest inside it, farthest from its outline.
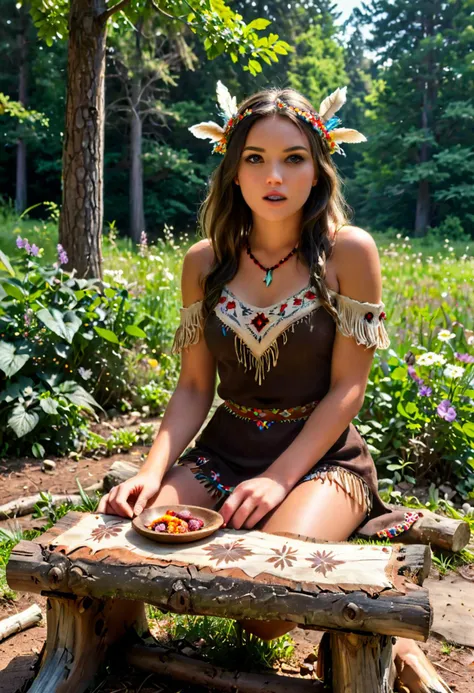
(226, 219)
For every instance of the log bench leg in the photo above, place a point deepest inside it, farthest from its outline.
(79, 632)
(361, 663)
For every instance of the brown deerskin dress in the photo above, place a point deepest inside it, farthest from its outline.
(274, 366)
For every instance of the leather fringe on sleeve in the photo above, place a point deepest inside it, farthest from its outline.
(363, 321)
(190, 327)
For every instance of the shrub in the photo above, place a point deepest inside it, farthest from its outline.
(419, 423)
(62, 342)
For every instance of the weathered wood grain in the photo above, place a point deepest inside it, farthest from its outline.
(35, 569)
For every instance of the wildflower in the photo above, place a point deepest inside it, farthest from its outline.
(153, 363)
(446, 411)
(465, 358)
(445, 335)
(27, 317)
(84, 373)
(452, 371)
(20, 242)
(425, 391)
(26, 246)
(430, 358)
(34, 250)
(62, 255)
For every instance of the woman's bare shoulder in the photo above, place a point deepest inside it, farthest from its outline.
(357, 264)
(196, 266)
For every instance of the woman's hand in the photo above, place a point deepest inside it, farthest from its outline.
(130, 497)
(251, 500)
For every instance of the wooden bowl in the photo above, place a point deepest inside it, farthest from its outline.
(212, 522)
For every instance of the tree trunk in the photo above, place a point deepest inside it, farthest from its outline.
(137, 216)
(428, 77)
(21, 183)
(80, 226)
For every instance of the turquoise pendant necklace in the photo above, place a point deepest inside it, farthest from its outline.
(269, 270)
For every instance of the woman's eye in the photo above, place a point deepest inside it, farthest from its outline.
(292, 156)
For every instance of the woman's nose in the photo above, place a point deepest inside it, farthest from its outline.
(274, 175)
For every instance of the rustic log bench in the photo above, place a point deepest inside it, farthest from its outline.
(98, 573)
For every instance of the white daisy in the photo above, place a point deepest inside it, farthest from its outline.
(454, 372)
(445, 335)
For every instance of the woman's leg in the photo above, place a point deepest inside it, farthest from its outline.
(322, 510)
(180, 486)
(319, 509)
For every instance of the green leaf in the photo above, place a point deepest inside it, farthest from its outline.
(468, 429)
(22, 421)
(5, 264)
(65, 325)
(135, 331)
(49, 405)
(107, 334)
(13, 290)
(399, 373)
(38, 450)
(77, 395)
(259, 24)
(15, 389)
(10, 361)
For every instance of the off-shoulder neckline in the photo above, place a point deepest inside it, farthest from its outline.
(308, 287)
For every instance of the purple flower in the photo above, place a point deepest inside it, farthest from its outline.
(425, 391)
(62, 255)
(27, 246)
(27, 317)
(465, 358)
(34, 250)
(446, 411)
(20, 242)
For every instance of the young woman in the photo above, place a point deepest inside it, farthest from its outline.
(283, 300)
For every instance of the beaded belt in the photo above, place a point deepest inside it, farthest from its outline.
(264, 418)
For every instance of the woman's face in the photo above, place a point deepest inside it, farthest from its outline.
(266, 165)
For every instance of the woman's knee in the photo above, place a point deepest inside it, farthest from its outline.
(180, 487)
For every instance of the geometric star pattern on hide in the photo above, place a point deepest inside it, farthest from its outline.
(322, 562)
(106, 531)
(226, 553)
(284, 557)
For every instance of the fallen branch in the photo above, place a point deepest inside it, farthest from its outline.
(26, 505)
(18, 622)
(443, 532)
(161, 661)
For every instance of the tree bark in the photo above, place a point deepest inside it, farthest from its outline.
(428, 81)
(80, 226)
(21, 180)
(361, 663)
(137, 215)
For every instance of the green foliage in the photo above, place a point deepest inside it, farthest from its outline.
(223, 642)
(62, 341)
(119, 441)
(16, 110)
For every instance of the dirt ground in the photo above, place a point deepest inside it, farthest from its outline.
(19, 653)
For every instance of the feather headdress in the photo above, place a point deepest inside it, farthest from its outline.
(325, 122)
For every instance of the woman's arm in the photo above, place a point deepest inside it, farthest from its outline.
(358, 272)
(194, 393)
(186, 410)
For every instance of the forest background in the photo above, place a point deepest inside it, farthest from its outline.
(409, 71)
(97, 342)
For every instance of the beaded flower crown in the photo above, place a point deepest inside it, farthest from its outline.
(325, 122)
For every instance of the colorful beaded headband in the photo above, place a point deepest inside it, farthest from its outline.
(325, 122)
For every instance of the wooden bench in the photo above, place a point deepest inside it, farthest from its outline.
(98, 573)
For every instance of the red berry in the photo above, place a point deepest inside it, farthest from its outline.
(184, 515)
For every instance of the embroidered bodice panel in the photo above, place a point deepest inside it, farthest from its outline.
(280, 354)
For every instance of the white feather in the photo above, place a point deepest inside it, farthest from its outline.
(227, 102)
(332, 103)
(347, 135)
(208, 130)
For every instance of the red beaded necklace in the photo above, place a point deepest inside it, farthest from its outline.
(269, 270)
